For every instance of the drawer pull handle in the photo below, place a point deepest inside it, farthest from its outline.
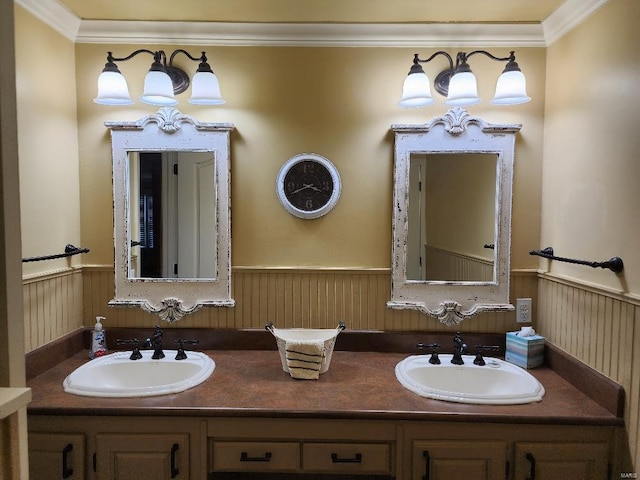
(336, 459)
(532, 466)
(66, 471)
(244, 457)
(427, 465)
(174, 469)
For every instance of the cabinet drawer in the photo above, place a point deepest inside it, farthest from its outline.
(256, 456)
(354, 458)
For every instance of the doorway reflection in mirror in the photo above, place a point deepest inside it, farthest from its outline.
(173, 215)
(451, 217)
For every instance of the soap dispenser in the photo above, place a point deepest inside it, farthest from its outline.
(98, 340)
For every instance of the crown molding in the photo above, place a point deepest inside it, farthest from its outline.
(436, 35)
(55, 15)
(312, 34)
(569, 15)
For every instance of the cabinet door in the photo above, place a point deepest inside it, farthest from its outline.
(468, 459)
(56, 456)
(561, 461)
(142, 456)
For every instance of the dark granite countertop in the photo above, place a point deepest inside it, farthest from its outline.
(358, 385)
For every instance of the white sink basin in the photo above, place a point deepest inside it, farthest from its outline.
(496, 383)
(115, 375)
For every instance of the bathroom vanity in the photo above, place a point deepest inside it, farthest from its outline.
(251, 418)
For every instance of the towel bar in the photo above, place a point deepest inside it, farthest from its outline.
(615, 264)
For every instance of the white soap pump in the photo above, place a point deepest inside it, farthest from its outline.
(98, 340)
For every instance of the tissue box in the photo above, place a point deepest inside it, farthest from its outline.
(526, 352)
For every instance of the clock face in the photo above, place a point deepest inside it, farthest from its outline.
(308, 185)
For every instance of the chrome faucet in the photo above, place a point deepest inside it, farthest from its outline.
(459, 348)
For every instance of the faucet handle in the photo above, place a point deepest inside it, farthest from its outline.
(135, 353)
(434, 360)
(487, 348)
(181, 354)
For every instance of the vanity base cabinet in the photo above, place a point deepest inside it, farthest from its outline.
(56, 456)
(157, 447)
(562, 460)
(471, 460)
(305, 449)
(162, 456)
(483, 451)
(118, 447)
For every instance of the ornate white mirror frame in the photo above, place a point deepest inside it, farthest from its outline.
(168, 130)
(456, 132)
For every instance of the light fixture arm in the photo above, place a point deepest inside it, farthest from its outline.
(511, 58)
(417, 60)
(202, 67)
(201, 58)
(112, 59)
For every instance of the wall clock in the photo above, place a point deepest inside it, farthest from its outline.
(308, 185)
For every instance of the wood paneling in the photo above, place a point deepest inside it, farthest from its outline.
(598, 328)
(317, 298)
(52, 306)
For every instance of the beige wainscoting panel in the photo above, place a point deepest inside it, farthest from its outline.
(301, 297)
(60, 302)
(597, 327)
(52, 306)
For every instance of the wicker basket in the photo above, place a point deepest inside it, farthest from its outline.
(327, 335)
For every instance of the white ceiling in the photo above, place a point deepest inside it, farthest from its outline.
(399, 23)
(346, 11)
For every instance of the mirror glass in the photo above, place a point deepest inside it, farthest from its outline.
(452, 216)
(172, 211)
(172, 217)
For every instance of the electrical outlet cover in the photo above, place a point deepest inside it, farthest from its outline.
(523, 310)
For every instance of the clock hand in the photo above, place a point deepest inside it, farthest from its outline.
(304, 187)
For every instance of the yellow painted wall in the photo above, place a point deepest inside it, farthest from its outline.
(337, 102)
(591, 197)
(48, 143)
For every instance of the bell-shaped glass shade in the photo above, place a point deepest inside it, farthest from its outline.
(205, 89)
(158, 89)
(463, 89)
(112, 89)
(416, 91)
(511, 89)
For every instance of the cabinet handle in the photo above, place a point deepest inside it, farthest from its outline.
(174, 470)
(532, 466)
(427, 465)
(66, 471)
(244, 457)
(356, 459)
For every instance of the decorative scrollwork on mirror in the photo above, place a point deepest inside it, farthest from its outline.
(452, 216)
(172, 220)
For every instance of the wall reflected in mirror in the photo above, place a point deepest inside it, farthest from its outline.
(452, 210)
(172, 215)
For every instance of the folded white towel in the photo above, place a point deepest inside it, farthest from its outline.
(304, 358)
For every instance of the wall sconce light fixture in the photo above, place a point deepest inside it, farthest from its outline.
(162, 82)
(459, 85)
